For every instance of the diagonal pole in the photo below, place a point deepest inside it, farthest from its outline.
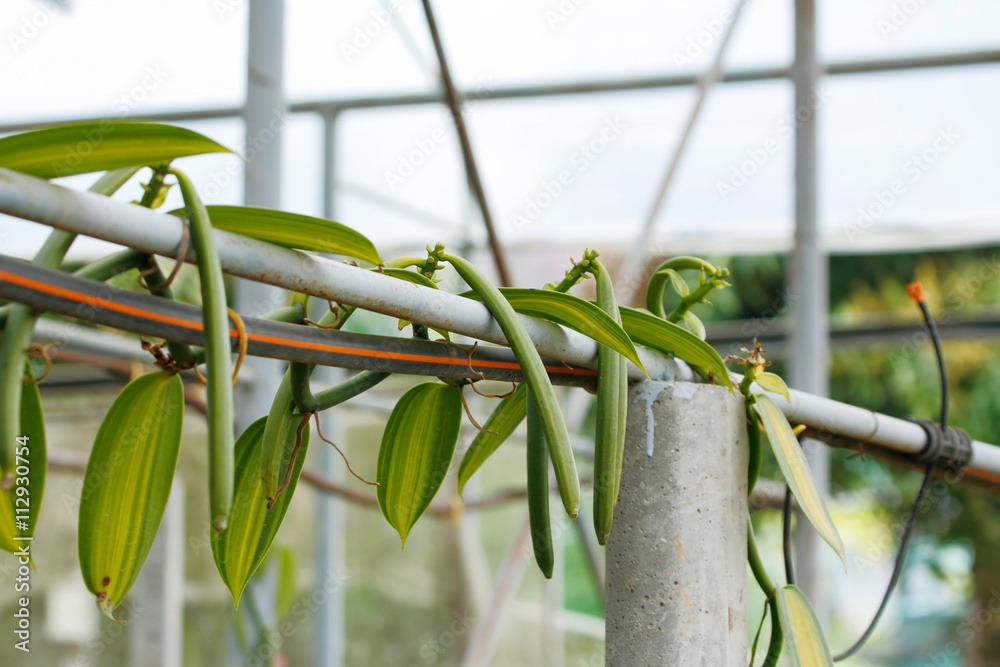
(630, 272)
(471, 171)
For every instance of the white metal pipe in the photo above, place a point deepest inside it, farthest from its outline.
(832, 417)
(100, 217)
(86, 213)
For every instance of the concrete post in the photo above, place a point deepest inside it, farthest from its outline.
(676, 559)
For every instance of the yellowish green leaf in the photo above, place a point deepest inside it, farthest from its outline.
(416, 451)
(81, 148)
(571, 312)
(239, 550)
(410, 277)
(126, 484)
(694, 324)
(657, 334)
(292, 230)
(796, 470)
(773, 383)
(502, 422)
(803, 635)
(31, 455)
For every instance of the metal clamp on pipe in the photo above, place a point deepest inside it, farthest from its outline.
(950, 449)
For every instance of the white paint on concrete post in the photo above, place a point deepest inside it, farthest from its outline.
(676, 558)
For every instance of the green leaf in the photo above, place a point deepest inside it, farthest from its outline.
(694, 324)
(80, 148)
(287, 569)
(803, 634)
(657, 334)
(410, 277)
(32, 455)
(773, 383)
(279, 438)
(573, 313)
(503, 421)
(677, 282)
(795, 468)
(127, 482)
(416, 451)
(239, 550)
(292, 230)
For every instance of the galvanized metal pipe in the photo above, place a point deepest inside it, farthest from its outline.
(35, 199)
(574, 88)
(85, 213)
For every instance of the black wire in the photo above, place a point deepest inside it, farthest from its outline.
(911, 520)
(786, 533)
(897, 570)
(932, 327)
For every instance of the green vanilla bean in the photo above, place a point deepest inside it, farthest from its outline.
(609, 439)
(20, 325)
(538, 489)
(511, 411)
(217, 354)
(535, 375)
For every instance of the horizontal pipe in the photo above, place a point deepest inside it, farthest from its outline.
(140, 228)
(148, 231)
(64, 294)
(773, 334)
(560, 89)
(827, 417)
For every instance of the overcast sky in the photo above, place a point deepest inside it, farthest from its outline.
(922, 143)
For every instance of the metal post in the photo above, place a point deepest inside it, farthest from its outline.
(265, 116)
(809, 288)
(331, 515)
(156, 633)
(676, 559)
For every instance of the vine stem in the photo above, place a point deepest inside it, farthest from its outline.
(19, 328)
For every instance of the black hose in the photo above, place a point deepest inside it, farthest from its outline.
(58, 292)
